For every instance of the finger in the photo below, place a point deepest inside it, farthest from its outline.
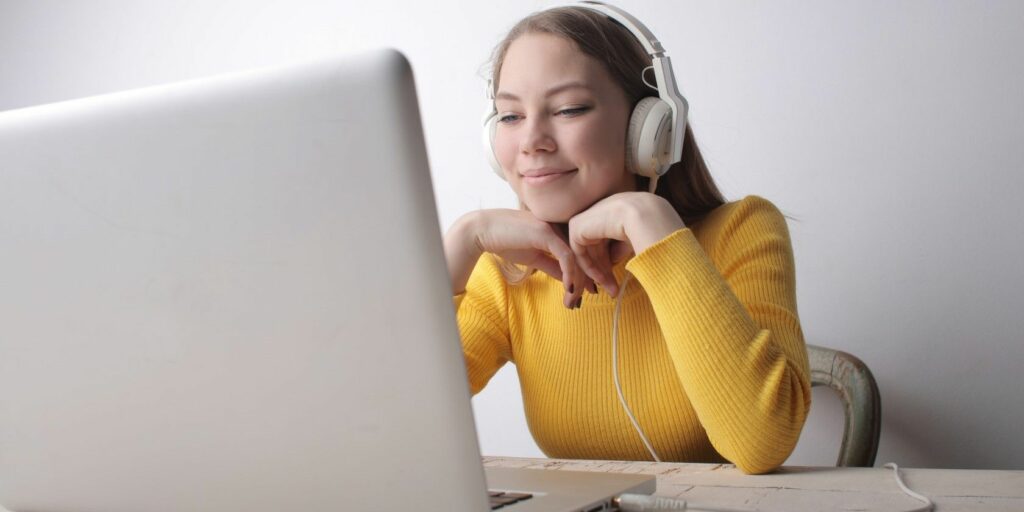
(590, 285)
(568, 280)
(589, 270)
(550, 241)
(589, 243)
(581, 281)
(593, 256)
(548, 265)
(586, 283)
(620, 250)
(584, 259)
(575, 286)
(580, 276)
(599, 254)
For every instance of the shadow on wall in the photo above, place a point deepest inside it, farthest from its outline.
(822, 435)
(939, 434)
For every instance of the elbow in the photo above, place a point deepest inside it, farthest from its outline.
(762, 455)
(760, 465)
(767, 456)
(772, 434)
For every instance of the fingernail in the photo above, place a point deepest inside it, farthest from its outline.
(572, 288)
(593, 288)
(579, 302)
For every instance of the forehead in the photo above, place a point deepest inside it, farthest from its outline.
(535, 62)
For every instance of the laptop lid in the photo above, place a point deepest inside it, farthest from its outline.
(230, 294)
(215, 293)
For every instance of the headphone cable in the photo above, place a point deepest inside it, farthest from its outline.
(615, 368)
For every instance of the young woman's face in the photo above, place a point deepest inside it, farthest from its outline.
(560, 146)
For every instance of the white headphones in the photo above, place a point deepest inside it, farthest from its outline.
(654, 139)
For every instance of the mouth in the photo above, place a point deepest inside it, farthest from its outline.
(547, 178)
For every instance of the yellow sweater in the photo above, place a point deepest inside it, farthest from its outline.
(712, 359)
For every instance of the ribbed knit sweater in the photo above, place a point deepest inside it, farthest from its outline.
(711, 356)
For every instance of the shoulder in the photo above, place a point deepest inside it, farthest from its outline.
(751, 212)
(742, 223)
(745, 209)
(487, 275)
(486, 291)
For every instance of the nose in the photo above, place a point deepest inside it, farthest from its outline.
(536, 136)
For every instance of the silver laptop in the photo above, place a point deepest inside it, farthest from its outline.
(230, 294)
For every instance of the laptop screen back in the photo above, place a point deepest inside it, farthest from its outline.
(230, 294)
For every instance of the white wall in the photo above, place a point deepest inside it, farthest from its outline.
(891, 131)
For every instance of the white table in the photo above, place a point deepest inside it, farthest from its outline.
(794, 488)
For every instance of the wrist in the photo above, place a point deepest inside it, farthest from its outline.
(649, 219)
(463, 234)
(462, 250)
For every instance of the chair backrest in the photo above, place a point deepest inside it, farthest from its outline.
(852, 379)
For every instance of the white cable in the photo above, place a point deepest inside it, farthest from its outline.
(645, 503)
(928, 505)
(643, 76)
(653, 184)
(615, 369)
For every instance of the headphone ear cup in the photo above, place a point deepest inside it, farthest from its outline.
(648, 137)
(490, 126)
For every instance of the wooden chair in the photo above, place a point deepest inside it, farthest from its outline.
(857, 389)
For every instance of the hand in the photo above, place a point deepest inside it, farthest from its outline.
(519, 237)
(615, 227)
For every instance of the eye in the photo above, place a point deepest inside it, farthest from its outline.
(571, 112)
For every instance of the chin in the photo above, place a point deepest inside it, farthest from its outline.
(553, 214)
(554, 219)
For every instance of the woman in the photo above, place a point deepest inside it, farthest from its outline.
(711, 357)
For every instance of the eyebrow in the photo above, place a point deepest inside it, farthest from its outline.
(504, 95)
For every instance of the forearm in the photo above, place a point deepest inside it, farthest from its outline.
(744, 371)
(461, 252)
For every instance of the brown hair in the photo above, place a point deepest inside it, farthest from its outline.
(687, 185)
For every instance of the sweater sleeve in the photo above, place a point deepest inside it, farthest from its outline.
(482, 314)
(733, 333)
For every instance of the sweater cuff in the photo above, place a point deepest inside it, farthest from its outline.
(660, 246)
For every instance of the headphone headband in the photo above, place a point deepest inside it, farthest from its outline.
(641, 32)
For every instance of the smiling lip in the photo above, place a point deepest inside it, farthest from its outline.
(541, 176)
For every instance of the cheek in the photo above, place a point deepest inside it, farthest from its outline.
(504, 149)
(599, 146)
(612, 135)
